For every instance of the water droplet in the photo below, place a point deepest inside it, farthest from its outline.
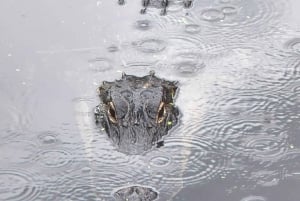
(100, 65)
(225, 1)
(229, 10)
(143, 25)
(254, 198)
(212, 15)
(160, 161)
(192, 28)
(86, 169)
(113, 48)
(47, 138)
(150, 45)
(188, 68)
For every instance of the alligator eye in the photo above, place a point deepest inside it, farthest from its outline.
(161, 114)
(112, 113)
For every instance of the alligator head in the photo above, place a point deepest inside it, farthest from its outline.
(137, 111)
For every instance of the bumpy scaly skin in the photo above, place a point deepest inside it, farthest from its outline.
(137, 111)
(136, 193)
(163, 4)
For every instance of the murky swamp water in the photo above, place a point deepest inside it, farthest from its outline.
(238, 64)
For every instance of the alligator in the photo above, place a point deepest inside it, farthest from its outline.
(136, 111)
(163, 4)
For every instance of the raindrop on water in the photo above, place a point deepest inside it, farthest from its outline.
(160, 161)
(54, 158)
(294, 44)
(212, 15)
(143, 25)
(100, 65)
(188, 68)
(150, 45)
(192, 28)
(254, 198)
(229, 10)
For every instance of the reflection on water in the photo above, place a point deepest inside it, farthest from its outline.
(238, 65)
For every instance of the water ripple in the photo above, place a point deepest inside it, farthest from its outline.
(98, 183)
(54, 158)
(212, 15)
(188, 68)
(192, 28)
(48, 138)
(17, 151)
(294, 45)
(83, 193)
(265, 147)
(150, 45)
(254, 198)
(243, 18)
(143, 25)
(17, 185)
(196, 160)
(99, 65)
(159, 161)
(229, 10)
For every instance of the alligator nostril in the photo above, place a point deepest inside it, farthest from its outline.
(137, 116)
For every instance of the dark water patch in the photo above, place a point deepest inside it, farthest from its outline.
(18, 186)
(54, 158)
(151, 45)
(141, 193)
(99, 65)
(17, 151)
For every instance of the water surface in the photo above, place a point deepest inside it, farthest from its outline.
(238, 64)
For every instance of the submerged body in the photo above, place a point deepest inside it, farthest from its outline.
(163, 4)
(137, 111)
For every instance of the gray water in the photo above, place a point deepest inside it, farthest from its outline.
(238, 65)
